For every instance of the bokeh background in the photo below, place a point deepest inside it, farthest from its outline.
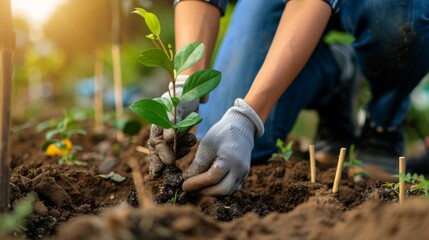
(60, 43)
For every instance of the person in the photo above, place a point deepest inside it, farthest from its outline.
(420, 164)
(274, 64)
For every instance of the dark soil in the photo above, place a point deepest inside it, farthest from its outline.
(277, 201)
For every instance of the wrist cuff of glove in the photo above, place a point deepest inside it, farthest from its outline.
(245, 109)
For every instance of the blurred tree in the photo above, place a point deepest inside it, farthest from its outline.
(80, 26)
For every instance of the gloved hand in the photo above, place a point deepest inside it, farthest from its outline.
(160, 141)
(222, 162)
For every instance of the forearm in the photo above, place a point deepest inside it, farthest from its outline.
(197, 21)
(300, 29)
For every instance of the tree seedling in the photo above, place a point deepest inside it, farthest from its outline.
(422, 186)
(285, 152)
(59, 143)
(393, 186)
(356, 164)
(418, 183)
(406, 178)
(200, 83)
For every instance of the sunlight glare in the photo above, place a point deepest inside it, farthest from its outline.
(36, 12)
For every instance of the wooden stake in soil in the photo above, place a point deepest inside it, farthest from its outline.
(98, 91)
(143, 150)
(144, 198)
(116, 57)
(401, 180)
(7, 47)
(339, 170)
(312, 164)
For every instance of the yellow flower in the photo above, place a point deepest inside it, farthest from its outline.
(54, 150)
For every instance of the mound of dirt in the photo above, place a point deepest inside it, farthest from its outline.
(277, 201)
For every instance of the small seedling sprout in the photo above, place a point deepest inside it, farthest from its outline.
(356, 164)
(163, 111)
(14, 221)
(58, 140)
(285, 151)
(174, 199)
(422, 186)
(418, 183)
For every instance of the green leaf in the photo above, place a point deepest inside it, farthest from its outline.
(14, 221)
(151, 36)
(153, 111)
(169, 103)
(46, 124)
(113, 176)
(151, 20)
(152, 23)
(188, 56)
(191, 120)
(132, 128)
(200, 83)
(140, 11)
(46, 145)
(155, 57)
(51, 133)
(175, 101)
(76, 131)
(166, 102)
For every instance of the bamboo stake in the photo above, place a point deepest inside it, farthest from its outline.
(7, 47)
(339, 170)
(143, 150)
(401, 180)
(144, 198)
(116, 57)
(98, 91)
(312, 164)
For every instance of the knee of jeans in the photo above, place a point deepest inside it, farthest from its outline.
(396, 20)
(397, 30)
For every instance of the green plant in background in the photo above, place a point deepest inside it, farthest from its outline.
(14, 221)
(58, 138)
(422, 186)
(407, 178)
(393, 186)
(418, 183)
(200, 83)
(285, 151)
(127, 125)
(355, 163)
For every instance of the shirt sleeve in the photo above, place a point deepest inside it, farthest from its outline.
(335, 4)
(221, 4)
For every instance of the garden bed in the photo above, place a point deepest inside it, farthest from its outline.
(277, 201)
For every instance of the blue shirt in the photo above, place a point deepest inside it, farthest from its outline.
(221, 4)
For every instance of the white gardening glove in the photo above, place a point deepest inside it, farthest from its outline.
(222, 162)
(160, 141)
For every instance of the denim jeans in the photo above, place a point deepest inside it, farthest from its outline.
(392, 50)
